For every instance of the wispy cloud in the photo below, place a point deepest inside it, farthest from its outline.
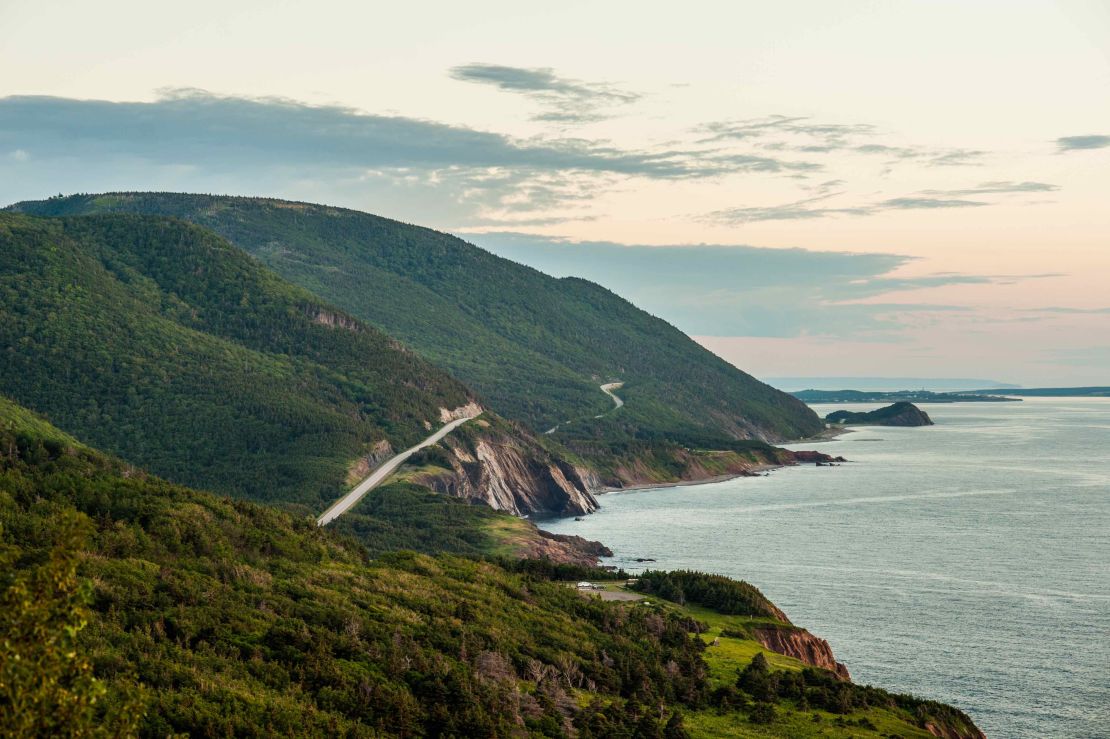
(193, 139)
(1080, 143)
(1063, 310)
(925, 204)
(816, 207)
(991, 188)
(804, 134)
(831, 134)
(805, 209)
(564, 100)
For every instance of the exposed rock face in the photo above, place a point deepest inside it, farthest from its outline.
(564, 549)
(804, 646)
(951, 732)
(469, 410)
(509, 471)
(360, 469)
(335, 320)
(898, 414)
(800, 457)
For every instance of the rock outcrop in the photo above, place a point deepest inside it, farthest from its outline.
(803, 457)
(503, 466)
(802, 645)
(563, 548)
(898, 414)
(947, 731)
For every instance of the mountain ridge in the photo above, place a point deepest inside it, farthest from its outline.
(161, 342)
(534, 346)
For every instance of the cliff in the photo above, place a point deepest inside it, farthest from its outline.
(898, 414)
(678, 466)
(802, 645)
(499, 463)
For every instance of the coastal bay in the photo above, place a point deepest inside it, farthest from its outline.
(963, 562)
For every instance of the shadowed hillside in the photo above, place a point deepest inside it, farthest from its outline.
(534, 346)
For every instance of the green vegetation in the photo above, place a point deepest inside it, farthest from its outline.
(218, 617)
(164, 344)
(896, 414)
(239, 619)
(710, 591)
(401, 515)
(47, 686)
(534, 346)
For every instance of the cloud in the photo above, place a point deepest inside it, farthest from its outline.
(1004, 187)
(803, 134)
(954, 158)
(797, 210)
(1064, 310)
(565, 100)
(192, 139)
(1080, 143)
(191, 126)
(925, 204)
(811, 208)
(738, 290)
(830, 134)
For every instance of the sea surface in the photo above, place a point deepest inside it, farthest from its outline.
(967, 562)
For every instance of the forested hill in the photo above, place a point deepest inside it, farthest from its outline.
(133, 607)
(159, 341)
(534, 346)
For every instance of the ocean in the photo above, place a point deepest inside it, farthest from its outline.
(968, 562)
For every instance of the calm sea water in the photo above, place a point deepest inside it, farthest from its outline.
(967, 562)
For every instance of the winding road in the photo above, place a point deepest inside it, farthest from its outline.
(344, 504)
(608, 389)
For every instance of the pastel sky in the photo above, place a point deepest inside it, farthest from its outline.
(913, 188)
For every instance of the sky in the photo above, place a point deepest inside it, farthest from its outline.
(914, 188)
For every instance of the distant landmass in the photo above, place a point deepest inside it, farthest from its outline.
(898, 414)
(1052, 392)
(936, 384)
(911, 396)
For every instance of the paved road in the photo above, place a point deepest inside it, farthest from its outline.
(608, 389)
(344, 504)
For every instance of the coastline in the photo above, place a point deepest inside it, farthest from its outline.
(828, 434)
(750, 472)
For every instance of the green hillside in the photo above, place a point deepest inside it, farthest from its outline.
(131, 606)
(534, 346)
(162, 343)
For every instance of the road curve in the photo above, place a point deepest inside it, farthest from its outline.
(608, 389)
(344, 504)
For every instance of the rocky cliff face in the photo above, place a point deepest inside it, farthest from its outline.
(505, 467)
(564, 549)
(953, 732)
(804, 646)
